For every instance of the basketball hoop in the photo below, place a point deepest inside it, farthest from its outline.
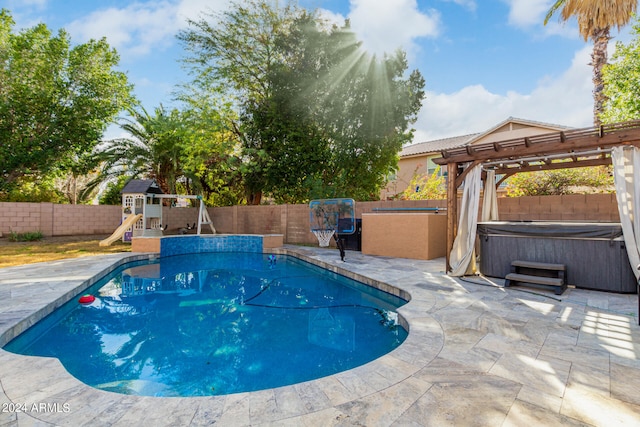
(324, 236)
(331, 217)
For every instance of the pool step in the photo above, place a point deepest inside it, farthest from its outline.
(538, 273)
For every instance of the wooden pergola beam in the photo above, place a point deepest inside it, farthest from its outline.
(546, 144)
(460, 178)
(554, 166)
(452, 209)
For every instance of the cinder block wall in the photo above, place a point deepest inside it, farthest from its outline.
(178, 218)
(22, 217)
(58, 220)
(290, 220)
(571, 207)
(66, 220)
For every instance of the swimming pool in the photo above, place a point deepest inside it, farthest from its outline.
(218, 323)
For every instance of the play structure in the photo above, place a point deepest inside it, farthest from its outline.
(142, 212)
(121, 230)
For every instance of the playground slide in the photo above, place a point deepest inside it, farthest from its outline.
(132, 219)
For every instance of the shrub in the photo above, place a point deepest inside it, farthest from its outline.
(425, 187)
(29, 236)
(561, 181)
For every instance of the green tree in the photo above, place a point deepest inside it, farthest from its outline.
(561, 181)
(425, 186)
(153, 150)
(366, 110)
(595, 19)
(76, 183)
(317, 115)
(33, 189)
(233, 54)
(210, 161)
(112, 195)
(55, 100)
(622, 81)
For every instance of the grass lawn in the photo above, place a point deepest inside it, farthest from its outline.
(54, 248)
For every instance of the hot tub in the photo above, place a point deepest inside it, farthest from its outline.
(594, 253)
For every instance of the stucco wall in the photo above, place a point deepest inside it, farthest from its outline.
(405, 235)
(407, 167)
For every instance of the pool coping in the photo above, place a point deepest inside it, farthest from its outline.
(474, 355)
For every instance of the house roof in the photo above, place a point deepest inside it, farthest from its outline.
(525, 122)
(438, 145)
(142, 186)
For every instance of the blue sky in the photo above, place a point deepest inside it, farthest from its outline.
(483, 61)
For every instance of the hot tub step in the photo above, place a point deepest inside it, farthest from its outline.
(556, 282)
(539, 265)
(538, 273)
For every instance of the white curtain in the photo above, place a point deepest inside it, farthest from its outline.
(490, 198)
(462, 259)
(626, 174)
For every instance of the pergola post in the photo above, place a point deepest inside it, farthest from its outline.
(452, 208)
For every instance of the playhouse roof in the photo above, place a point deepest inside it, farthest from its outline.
(142, 186)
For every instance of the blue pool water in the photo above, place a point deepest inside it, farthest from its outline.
(217, 323)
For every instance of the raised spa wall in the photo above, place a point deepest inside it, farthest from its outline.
(181, 245)
(414, 235)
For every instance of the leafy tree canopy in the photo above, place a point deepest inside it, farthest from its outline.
(211, 162)
(152, 150)
(55, 100)
(622, 81)
(595, 19)
(317, 115)
(112, 194)
(189, 151)
(561, 181)
(426, 187)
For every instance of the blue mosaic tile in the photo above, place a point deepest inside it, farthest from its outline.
(181, 245)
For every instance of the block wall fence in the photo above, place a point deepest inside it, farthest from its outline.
(290, 220)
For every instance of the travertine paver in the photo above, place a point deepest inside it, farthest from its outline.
(476, 354)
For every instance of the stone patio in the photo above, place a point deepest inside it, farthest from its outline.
(477, 354)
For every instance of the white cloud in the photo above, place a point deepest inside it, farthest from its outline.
(468, 4)
(134, 30)
(332, 17)
(385, 26)
(527, 13)
(563, 100)
(193, 9)
(530, 14)
(139, 28)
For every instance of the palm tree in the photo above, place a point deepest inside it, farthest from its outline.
(153, 150)
(595, 19)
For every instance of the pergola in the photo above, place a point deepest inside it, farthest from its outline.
(557, 150)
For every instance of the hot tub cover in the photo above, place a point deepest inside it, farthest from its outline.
(577, 230)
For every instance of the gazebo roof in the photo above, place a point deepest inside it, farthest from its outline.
(555, 150)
